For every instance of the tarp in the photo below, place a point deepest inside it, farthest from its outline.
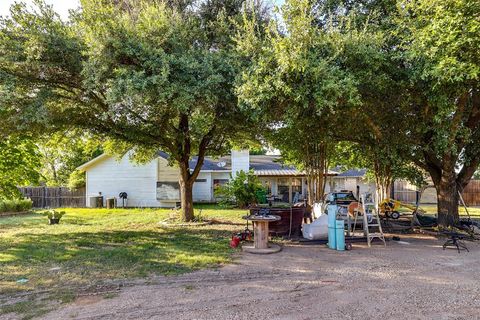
(318, 229)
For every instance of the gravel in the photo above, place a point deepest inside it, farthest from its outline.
(415, 281)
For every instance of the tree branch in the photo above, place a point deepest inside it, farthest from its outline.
(202, 149)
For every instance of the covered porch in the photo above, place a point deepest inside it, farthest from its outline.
(289, 185)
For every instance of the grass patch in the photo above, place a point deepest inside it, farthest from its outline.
(432, 209)
(27, 309)
(91, 246)
(110, 295)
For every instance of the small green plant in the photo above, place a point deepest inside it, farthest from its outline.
(242, 190)
(198, 217)
(54, 216)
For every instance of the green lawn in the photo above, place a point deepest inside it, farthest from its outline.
(474, 211)
(432, 209)
(92, 246)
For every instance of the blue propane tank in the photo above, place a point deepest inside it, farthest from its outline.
(332, 216)
(340, 235)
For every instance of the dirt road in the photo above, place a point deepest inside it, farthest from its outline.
(417, 280)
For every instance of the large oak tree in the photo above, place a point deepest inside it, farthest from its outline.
(430, 52)
(441, 41)
(151, 75)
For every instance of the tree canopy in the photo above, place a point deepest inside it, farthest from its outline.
(19, 163)
(399, 80)
(62, 152)
(440, 41)
(150, 75)
(395, 83)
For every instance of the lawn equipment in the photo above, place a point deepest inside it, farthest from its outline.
(241, 236)
(235, 240)
(390, 208)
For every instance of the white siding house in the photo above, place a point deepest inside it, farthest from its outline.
(109, 177)
(202, 188)
(155, 184)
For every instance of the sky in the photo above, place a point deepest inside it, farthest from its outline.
(60, 6)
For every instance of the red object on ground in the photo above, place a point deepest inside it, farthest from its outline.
(235, 241)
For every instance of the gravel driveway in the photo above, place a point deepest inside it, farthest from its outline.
(417, 280)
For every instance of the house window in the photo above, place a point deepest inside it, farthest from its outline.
(296, 189)
(201, 180)
(219, 182)
(267, 184)
(283, 189)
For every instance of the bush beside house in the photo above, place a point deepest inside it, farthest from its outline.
(242, 190)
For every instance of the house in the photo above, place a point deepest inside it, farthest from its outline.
(349, 180)
(155, 184)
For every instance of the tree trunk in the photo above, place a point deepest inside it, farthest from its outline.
(186, 195)
(447, 200)
(383, 181)
(311, 199)
(444, 178)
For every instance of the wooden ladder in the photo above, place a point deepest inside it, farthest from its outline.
(371, 219)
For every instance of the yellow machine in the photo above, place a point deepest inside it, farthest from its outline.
(390, 207)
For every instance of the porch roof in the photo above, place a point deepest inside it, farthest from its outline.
(278, 172)
(286, 173)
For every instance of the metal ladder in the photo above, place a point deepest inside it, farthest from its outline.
(374, 221)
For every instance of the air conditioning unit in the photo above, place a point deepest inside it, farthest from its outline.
(95, 202)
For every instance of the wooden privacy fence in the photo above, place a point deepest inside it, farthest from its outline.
(54, 197)
(404, 191)
(471, 193)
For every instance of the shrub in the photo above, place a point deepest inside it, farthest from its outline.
(24, 205)
(10, 205)
(17, 205)
(54, 214)
(241, 190)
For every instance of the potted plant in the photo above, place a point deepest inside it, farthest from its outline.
(54, 216)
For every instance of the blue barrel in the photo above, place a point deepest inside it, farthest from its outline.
(332, 216)
(340, 235)
(332, 239)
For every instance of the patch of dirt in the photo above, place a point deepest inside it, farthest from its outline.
(416, 281)
(87, 300)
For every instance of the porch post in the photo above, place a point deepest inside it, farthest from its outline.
(290, 196)
(274, 186)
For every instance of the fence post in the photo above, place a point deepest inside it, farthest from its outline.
(43, 197)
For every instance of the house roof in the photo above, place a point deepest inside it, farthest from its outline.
(353, 173)
(258, 163)
(271, 165)
(88, 164)
(262, 165)
(281, 172)
(268, 162)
